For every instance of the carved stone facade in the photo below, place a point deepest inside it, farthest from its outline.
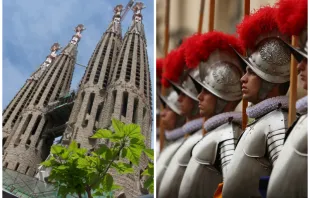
(116, 84)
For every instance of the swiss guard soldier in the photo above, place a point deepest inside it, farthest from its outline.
(172, 122)
(171, 181)
(289, 175)
(220, 71)
(264, 85)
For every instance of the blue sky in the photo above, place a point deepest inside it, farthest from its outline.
(31, 27)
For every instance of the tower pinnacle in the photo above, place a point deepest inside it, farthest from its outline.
(36, 75)
(25, 147)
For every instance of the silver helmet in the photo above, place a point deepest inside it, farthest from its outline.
(171, 101)
(187, 85)
(271, 60)
(220, 75)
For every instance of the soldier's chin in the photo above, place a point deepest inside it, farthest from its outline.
(201, 112)
(305, 85)
(245, 96)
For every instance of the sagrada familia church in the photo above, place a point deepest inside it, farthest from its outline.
(116, 84)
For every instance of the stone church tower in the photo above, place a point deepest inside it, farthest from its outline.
(128, 96)
(116, 84)
(84, 119)
(26, 149)
(16, 106)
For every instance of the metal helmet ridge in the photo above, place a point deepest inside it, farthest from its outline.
(220, 69)
(268, 56)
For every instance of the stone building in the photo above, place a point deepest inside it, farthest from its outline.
(116, 84)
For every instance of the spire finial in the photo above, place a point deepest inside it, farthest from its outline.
(137, 11)
(78, 29)
(49, 59)
(117, 10)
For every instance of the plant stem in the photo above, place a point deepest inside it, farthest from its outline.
(108, 167)
(88, 190)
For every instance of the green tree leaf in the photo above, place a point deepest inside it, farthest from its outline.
(149, 184)
(65, 155)
(149, 153)
(82, 163)
(133, 131)
(102, 149)
(133, 155)
(137, 144)
(102, 133)
(57, 149)
(149, 171)
(117, 126)
(46, 163)
(123, 168)
(107, 183)
(73, 146)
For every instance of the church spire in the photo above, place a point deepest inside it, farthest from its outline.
(136, 24)
(25, 146)
(115, 25)
(49, 59)
(84, 118)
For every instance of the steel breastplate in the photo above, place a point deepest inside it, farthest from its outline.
(256, 151)
(201, 178)
(289, 175)
(164, 160)
(172, 178)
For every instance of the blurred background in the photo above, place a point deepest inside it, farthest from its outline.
(184, 18)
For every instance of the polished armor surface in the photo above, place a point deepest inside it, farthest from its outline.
(220, 75)
(255, 155)
(201, 177)
(289, 175)
(172, 178)
(164, 160)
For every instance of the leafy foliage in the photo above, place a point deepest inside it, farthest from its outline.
(77, 171)
(149, 171)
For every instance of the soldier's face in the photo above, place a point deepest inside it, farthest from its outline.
(207, 103)
(251, 84)
(169, 118)
(303, 73)
(186, 104)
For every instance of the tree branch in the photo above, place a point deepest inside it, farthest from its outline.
(108, 167)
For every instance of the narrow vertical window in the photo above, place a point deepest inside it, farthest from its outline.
(135, 111)
(124, 104)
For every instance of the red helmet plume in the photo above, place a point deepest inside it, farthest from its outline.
(200, 49)
(174, 65)
(291, 16)
(258, 23)
(159, 67)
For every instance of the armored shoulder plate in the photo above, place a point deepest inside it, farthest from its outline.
(184, 154)
(172, 178)
(164, 160)
(206, 150)
(289, 175)
(299, 136)
(269, 129)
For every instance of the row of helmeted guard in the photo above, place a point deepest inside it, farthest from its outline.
(207, 153)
